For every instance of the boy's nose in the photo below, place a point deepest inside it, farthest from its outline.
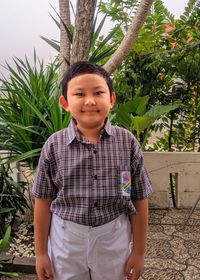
(90, 100)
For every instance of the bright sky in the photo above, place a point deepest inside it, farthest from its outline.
(22, 22)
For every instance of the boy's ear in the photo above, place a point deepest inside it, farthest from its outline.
(63, 102)
(113, 99)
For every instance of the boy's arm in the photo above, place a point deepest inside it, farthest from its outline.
(139, 224)
(42, 221)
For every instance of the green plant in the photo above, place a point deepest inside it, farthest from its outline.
(29, 110)
(163, 65)
(182, 128)
(12, 197)
(135, 116)
(3, 244)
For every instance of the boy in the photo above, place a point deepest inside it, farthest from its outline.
(91, 189)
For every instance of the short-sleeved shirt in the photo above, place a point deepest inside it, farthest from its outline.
(92, 184)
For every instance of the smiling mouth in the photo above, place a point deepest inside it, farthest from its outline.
(90, 111)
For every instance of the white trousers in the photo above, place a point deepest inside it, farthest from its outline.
(82, 252)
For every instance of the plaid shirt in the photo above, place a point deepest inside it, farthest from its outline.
(92, 184)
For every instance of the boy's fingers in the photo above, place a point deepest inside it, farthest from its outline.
(129, 276)
(128, 267)
(40, 274)
(135, 274)
(45, 275)
(49, 275)
(131, 273)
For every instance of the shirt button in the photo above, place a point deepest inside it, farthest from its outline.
(96, 204)
(95, 177)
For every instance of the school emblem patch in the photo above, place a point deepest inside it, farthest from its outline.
(126, 182)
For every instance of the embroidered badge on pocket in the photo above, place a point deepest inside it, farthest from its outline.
(126, 182)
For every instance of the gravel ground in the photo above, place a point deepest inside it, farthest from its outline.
(22, 244)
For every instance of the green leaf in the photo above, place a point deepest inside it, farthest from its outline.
(4, 241)
(27, 128)
(11, 274)
(5, 210)
(123, 114)
(25, 156)
(122, 118)
(56, 22)
(159, 110)
(95, 33)
(137, 105)
(37, 112)
(140, 123)
(103, 43)
(52, 43)
(68, 31)
(105, 53)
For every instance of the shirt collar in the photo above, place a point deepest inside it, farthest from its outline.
(73, 131)
(107, 128)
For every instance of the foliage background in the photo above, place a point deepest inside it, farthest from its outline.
(157, 89)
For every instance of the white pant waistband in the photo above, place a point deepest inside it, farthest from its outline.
(78, 228)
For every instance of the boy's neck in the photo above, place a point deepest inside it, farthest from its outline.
(91, 134)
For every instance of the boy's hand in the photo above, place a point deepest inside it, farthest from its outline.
(44, 268)
(134, 266)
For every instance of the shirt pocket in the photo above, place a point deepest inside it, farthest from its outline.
(124, 180)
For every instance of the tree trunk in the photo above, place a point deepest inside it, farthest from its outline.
(85, 10)
(129, 38)
(65, 44)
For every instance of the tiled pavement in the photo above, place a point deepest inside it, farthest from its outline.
(173, 252)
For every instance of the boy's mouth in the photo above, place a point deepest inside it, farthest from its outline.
(90, 111)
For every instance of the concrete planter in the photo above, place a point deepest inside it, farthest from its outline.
(186, 166)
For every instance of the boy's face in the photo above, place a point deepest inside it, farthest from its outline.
(88, 100)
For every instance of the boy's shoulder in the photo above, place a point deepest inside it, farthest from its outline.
(58, 137)
(58, 134)
(120, 131)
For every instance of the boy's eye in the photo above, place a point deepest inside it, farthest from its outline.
(79, 93)
(98, 93)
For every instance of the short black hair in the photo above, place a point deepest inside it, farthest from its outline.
(84, 67)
